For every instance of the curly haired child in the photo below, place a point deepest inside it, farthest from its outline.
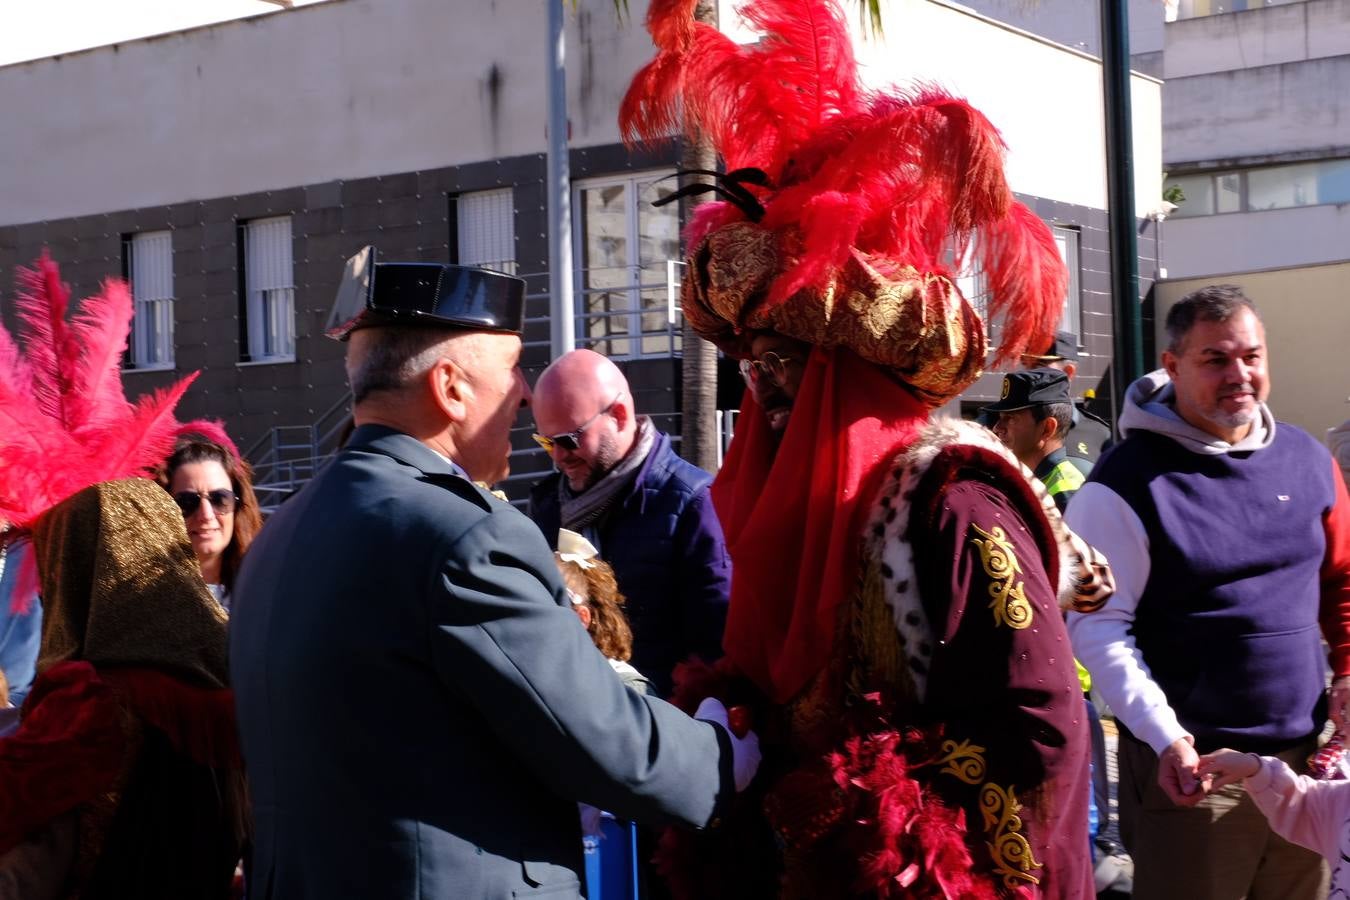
(597, 602)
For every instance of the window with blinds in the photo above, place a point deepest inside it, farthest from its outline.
(148, 264)
(487, 230)
(1071, 320)
(269, 289)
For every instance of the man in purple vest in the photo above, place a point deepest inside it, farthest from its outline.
(1229, 535)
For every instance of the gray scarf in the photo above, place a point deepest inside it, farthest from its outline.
(581, 511)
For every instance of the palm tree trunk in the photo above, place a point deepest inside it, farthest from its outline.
(698, 420)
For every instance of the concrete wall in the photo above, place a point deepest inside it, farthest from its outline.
(341, 90)
(1275, 238)
(1075, 23)
(1258, 113)
(357, 88)
(1267, 36)
(1307, 316)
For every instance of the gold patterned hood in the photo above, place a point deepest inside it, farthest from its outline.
(121, 587)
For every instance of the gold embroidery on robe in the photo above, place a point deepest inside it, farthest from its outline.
(1008, 599)
(964, 761)
(1012, 855)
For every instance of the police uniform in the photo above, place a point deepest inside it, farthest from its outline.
(1061, 477)
(1088, 436)
(1032, 389)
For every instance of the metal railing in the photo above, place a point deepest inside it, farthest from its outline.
(288, 456)
(636, 318)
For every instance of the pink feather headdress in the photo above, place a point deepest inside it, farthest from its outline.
(65, 422)
(856, 193)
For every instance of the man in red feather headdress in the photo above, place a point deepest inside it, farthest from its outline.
(895, 623)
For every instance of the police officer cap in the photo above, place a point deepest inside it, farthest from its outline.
(1035, 387)
(1064, 347)
(400, 293)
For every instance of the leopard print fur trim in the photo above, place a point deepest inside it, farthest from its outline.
(1083, 578)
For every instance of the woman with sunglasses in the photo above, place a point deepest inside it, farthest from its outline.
(214, 490)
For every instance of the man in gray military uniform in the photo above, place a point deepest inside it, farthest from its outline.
(420, 711)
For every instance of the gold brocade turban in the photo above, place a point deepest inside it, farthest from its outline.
(915, 324)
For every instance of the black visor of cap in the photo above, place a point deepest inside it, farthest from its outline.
(375, 293)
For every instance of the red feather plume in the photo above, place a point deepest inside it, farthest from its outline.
(908, 178)
(65, 422)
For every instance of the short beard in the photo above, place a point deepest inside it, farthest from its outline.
(607, 456)
(1236, 419)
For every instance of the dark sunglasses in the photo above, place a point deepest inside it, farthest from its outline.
(222, 501)
(571, 440)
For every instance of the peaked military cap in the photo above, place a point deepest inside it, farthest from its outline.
(414, 293)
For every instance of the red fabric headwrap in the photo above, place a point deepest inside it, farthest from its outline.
(793, 519)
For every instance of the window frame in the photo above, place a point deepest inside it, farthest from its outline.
(462, 226)
(146, 311)
(1243, 175)
(254, 307)
(1071, 312)
(635, 337)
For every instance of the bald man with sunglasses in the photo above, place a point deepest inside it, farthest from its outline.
(620, 483)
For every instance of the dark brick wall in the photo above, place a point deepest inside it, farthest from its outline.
(408, 216)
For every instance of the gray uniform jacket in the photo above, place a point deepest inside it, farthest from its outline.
(419, 711)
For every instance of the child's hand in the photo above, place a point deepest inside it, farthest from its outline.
(1224, 767)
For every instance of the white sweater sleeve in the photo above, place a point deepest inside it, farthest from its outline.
(1102, 640)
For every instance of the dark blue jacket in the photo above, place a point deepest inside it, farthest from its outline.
(420, 710)
(665, 544)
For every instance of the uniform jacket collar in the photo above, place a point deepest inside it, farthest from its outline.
(405, 448)
(1047, 465)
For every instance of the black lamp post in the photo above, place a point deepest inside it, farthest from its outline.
(1128, 361)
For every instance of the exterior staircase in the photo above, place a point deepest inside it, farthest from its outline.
(288, 456)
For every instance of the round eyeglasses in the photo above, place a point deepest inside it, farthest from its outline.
(771, 366)
(571, 440)
(222, 501)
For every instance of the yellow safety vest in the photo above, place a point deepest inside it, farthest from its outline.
(1063, 477)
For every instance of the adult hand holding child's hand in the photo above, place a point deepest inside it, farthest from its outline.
(1176, 773)
(1224, 767)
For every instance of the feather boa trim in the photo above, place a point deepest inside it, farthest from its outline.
(863, 814)
(72, 742)
(65, 422)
